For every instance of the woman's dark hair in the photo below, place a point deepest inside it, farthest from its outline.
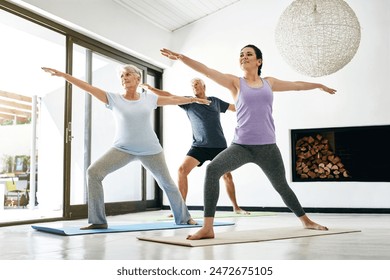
(259, 55)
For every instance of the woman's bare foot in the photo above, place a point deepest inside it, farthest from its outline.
(95, 226)
(191, 221)
(309, 224)
(315, 226)
(203, 233)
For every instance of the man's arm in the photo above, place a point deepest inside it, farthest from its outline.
(232, 107)
(157, 91)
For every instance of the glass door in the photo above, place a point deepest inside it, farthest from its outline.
(31, 121)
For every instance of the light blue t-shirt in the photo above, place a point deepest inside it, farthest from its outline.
(134, 131)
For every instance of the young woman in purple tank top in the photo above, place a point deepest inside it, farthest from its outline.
(254, 139)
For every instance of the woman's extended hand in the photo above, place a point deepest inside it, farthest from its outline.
(170, 54)
(53, 72)
(200, 100)
(328, 90)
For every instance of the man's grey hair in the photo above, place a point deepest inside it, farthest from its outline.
(200, 80)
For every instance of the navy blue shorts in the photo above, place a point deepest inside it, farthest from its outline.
(204, 154)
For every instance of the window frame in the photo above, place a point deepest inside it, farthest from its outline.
(74, 37)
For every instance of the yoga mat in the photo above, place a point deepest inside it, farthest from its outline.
(121, 228)
(245, 236)
(220, 215)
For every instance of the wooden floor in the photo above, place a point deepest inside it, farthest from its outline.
(372, 243)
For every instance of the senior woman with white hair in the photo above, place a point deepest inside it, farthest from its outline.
(135, 139)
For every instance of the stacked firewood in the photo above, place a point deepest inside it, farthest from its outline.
(314, 159)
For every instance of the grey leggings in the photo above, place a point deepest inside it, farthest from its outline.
(114, 159)
(267, 157)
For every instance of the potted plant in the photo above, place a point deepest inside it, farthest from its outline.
(7, 164)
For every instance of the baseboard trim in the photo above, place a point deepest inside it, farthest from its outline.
(307, 209)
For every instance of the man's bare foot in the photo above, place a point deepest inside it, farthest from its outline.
(203, 233)
(170, 215)
(95, 226)
(191, 221)
(240, 211)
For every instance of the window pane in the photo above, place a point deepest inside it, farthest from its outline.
(80, 127)
(25, 48)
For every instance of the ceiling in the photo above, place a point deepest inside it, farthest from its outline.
(172, 15)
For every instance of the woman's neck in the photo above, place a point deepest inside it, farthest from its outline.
(251, 77)
(131, 94)
(253, 80)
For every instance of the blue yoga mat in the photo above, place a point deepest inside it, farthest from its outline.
(122, 228)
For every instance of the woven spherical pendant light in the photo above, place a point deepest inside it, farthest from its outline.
(318, 38)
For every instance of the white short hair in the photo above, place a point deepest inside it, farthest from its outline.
(130, 68)
(200, 80)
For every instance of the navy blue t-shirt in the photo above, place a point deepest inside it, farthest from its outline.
(206, 124)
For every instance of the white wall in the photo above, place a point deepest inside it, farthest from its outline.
(362, 97)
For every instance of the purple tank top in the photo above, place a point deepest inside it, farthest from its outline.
(255, 125)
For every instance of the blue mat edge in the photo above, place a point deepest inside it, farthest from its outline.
(71, 231)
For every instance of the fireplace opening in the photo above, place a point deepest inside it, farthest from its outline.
(341, 154)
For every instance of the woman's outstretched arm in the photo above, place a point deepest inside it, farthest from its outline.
(279, 85)
(180, 100)
(228, 81)
(97, 92)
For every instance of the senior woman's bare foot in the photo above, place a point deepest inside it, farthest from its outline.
(191, 221)
(95, 226)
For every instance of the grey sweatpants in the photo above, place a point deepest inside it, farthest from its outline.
(114, 159)
(267, 157)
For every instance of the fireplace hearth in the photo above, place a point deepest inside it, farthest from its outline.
(341, 154)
